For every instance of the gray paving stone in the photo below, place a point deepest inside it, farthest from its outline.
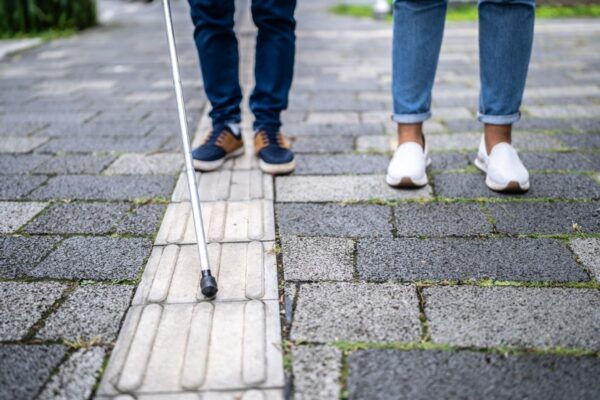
(440, 219)
(504, 259)
(123, 129)
(22, 305)
(548, 218)
(19, 255)
(13, 215)
(97, 258)
(25, 368)
(416, 374)
(334, 220)
(587, 124)
(509, 316)
(379, 143)
(21, 128)
(102, 144)
(92, 312)
(20, 163)
(556, 186)
(322, 130)
(144, 220)
(15, 187)
(588, 252)
(554, 161)
(92, 187)
(45, 118)
(329, 312)
(320, 258)
(342, 188)
(580, 141)
(75, 164)
(322, 144)
(76, 377)
(93, 218)
(141, 164)
(317, 372)
(334, 164)
(20, 144)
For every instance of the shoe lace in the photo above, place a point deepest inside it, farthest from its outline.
(215, 134)
(269, 137)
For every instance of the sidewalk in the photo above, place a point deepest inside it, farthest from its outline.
(332, 285)
(450, 291)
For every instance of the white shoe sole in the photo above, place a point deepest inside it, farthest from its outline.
(408, 182)
(277, 169)
(510, 187)
(206, 166)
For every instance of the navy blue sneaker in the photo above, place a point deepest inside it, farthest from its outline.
(274, 153)
(220, 144)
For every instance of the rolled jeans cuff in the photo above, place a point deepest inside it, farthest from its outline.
(499, 119)
(411, 118)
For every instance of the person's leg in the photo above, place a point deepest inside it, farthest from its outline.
(274, 67)
(418, 32)
(219, 58)
(505, 42)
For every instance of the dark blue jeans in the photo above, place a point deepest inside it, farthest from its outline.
(219, 58)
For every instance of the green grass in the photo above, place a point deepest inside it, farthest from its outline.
(47, 35)
(469, 12)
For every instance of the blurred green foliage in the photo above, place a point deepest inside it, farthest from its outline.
(23, 17)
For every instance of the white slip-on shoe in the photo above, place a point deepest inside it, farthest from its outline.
(407, 167)
(504, 170)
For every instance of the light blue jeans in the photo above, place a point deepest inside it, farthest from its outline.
(505, 41)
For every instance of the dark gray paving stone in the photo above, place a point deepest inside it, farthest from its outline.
(145, 220)
(323, 130)
(20, 163)
(504, 259)
(557, 186)
(76, 377)
(513, 316)
(555, 161)
(317, 258)
(25, 368)
(328, 312)
(19, 255)
(15, 187)
(102, 144)
(334, 220)
(322, 144)
(441, 219)
(417, 374)
(92, 187)
(580, 141)
(587, 124)
(448, 160)
(75, 164)
(22, 304)
(94, 218)
(332, 164)
(46, 118)
(546, 218)
(97, 258)
(317, 372)
(92, 312)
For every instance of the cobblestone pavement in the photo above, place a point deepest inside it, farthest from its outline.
(444, 292)
(451, 291)
(89, 156)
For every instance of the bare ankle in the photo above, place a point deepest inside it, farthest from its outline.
(410, 133)
(495, 134)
